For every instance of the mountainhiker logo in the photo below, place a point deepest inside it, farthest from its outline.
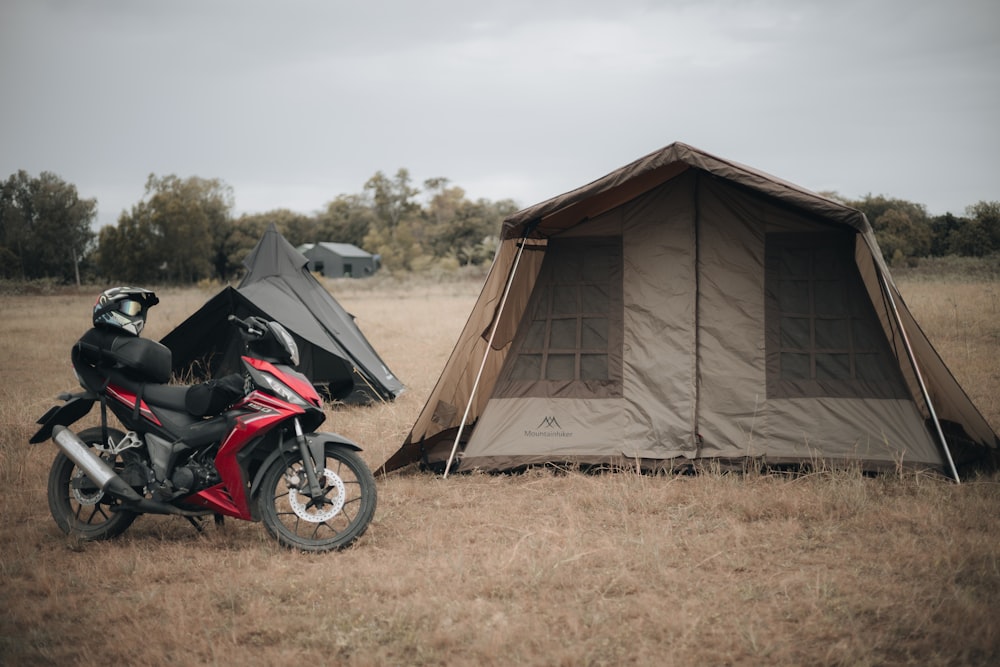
(548, 428)
(549, 422)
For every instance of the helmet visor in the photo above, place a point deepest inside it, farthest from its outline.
(130, 307)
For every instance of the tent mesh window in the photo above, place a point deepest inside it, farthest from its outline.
(569, 341)
(823, 336)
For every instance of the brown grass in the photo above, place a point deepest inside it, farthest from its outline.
(545, 568)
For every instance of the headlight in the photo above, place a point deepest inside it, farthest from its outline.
(285, 340)
(283, 390)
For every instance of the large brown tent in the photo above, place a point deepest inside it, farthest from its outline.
(684, 308)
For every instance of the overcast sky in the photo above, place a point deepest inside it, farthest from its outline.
(293, 103)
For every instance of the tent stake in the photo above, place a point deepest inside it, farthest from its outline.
(486, 354)
(920, 378)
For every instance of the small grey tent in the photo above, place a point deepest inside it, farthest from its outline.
(687, 308)
(335, 355)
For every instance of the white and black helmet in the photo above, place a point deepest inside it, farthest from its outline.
(124, 308)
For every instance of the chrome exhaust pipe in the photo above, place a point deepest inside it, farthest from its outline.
(103, 476)
(92, 465)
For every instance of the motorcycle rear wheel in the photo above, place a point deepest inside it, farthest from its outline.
(78, 506)
(349, 500)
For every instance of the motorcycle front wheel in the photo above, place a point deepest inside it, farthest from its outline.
(332, 520)
(77, 504)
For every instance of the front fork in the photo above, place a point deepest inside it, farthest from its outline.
(311, 455)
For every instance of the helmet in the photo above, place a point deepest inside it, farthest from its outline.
(124, 308)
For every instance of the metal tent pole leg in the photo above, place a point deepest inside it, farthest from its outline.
(920, 378)
(486, 354)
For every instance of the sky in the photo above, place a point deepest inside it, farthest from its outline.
(296, 102)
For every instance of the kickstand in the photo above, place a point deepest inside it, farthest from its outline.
(196, 522)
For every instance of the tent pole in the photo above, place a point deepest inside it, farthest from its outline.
(486, 354)
(920, 378)
(370, 385)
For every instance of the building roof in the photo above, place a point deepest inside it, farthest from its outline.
(341, 249)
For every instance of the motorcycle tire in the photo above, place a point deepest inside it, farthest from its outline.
(348, 503)
(78, 506)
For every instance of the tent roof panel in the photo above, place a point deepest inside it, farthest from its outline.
(559, 213)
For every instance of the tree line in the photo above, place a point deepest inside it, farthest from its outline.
(183, 230)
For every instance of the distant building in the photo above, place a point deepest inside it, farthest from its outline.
(339, 260)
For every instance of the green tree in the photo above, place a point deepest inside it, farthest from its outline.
(45, 227)
(942, 228)
(395, 230)
(347, 219)
(902, 228)
(232, 243)
(970, 239)
(175, 234)
(461, 229)
(979, 233)
(392, 199)
(128, 252)
(987, 214)
(398, 249)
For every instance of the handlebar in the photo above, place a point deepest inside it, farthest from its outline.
(266, 340)
(250, 325)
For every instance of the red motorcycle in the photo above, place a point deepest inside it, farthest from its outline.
(241, 446)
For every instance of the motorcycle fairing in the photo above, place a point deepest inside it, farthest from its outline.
(218, 499)
(130, 399)
(296, 381)
(259, 412)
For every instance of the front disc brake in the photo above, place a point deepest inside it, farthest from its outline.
(317, 513)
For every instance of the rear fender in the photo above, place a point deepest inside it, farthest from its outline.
(315, 441)
(75, 407)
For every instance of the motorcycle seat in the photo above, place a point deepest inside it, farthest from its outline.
(206, 399)
(169, 396)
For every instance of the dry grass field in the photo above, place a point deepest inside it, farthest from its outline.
(543, 568)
